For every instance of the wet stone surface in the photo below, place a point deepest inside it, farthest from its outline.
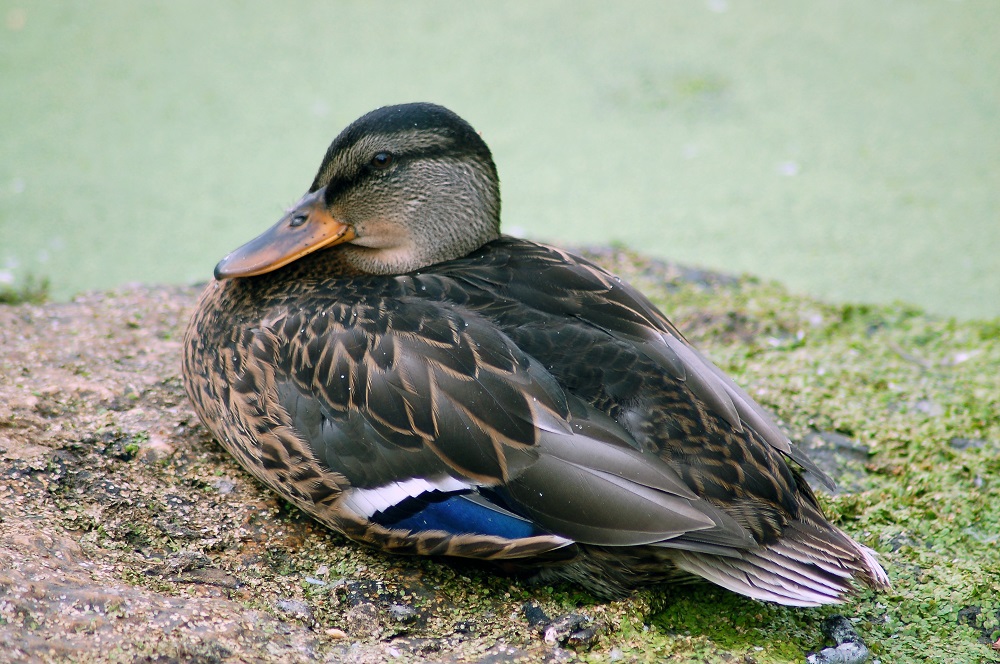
(838, 456)
(127, 534)
(849, 649)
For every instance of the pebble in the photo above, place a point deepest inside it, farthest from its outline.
(402, 613)
(296, 608)
(224, 485)
(850, 648)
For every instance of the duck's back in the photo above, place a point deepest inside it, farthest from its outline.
(514, 403)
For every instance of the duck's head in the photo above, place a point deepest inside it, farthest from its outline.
(401, 188)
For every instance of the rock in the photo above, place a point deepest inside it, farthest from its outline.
(570, 629)
(534, 614)
(850, 648)
(402, 613)
(840, 457)
(968, 443)
(224, 485)
(296, 609)
(128, 534)
(928, 407)
(973, 617)
(362, 621)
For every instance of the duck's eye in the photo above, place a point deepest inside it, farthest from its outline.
(382, 160)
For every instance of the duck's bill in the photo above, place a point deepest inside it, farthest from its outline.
(304, 229)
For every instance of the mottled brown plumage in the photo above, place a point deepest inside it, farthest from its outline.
(386, 360)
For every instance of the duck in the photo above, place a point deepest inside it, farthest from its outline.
(388, 361)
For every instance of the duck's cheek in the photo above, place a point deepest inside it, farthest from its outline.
(382, 233)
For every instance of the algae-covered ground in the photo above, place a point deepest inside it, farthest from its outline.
(127, 534)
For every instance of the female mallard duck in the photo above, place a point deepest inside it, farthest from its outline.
(389, 362)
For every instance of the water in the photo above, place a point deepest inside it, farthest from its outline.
(849, 150)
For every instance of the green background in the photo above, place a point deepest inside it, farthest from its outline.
(847, 149)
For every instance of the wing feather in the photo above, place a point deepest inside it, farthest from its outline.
(423, 406)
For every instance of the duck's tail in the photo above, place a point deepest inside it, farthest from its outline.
(810, 565)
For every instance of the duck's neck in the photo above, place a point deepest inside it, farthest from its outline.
(408, 256)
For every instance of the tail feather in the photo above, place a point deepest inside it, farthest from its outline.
(751, 582)
(802, 569)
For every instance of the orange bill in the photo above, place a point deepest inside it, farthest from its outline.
(305, 228)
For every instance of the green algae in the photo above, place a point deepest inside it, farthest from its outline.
(31, 290)
(923, 394)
